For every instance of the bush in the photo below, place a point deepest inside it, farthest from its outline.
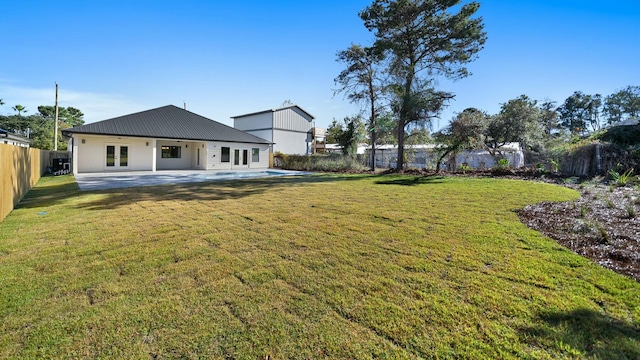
(621, 135)
(319, 162)
(503, 164)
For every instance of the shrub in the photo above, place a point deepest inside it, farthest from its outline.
(503, 164)
(620, 179)
(631, 211)
(464, 167)
(321, 162)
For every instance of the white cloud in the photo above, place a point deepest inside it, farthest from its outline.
(95, 106)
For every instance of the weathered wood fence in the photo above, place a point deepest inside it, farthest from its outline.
(20, 170)
(597, 159)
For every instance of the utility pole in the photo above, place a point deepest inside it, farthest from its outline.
(55, 127)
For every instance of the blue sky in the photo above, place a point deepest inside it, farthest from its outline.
(228, 58)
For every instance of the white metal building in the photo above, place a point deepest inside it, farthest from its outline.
(289, 128)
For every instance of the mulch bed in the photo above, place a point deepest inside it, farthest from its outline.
(603, 225)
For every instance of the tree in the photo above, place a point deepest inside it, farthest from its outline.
(418, 136)
(518, 121)
(362, 83)
(548, 117)
(351, 136)
(464, 132)
(423, 39)
(581, 111)
(74, 117)
(386, 129)
(347, 134)
(334, 132)
(40, 127)
(20, 109)
(622, 105)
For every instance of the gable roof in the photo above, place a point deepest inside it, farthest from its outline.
(168, 122)
(274, 110)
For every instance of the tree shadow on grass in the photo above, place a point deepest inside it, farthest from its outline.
(588, 332)
(49, 194)
(412, 181)
(205, 191)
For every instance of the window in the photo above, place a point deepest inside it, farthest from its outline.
(255, 155)
(225, 156)
(171, 152)
(245, 157)
(236, 157)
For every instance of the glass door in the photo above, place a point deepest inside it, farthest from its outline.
(111, 156)
(117, 157)
(240, 159)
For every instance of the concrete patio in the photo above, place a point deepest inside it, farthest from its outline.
(118, 180)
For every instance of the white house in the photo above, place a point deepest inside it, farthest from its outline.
(9, 138)
(289, 128)
(166, 138)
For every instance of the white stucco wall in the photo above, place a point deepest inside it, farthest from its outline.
(214, 151)
(182, 163)
(91, 156)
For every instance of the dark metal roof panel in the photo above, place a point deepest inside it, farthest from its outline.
(169, 122)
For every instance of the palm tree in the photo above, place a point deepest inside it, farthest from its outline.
(20, 109)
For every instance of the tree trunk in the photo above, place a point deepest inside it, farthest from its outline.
(402, 121)
(400, 161)
(439, 162)
(373, 127)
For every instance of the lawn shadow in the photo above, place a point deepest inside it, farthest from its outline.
(205, 191)
(48, 194)
(593, 334)
(412, 181)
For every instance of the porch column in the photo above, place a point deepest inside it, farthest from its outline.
(74, 154)
(154, 156)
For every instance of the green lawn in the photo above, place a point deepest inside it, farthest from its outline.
(325, 266)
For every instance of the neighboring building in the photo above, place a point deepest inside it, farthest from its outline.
(9, 138)
(289, 128)
(166, 138)
(426, 156)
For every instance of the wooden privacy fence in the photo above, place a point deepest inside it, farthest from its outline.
(597, 159)
(20, 170)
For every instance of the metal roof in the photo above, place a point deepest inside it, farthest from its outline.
(168, 122)
(274, 110)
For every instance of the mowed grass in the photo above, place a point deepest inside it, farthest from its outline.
(325, 266)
